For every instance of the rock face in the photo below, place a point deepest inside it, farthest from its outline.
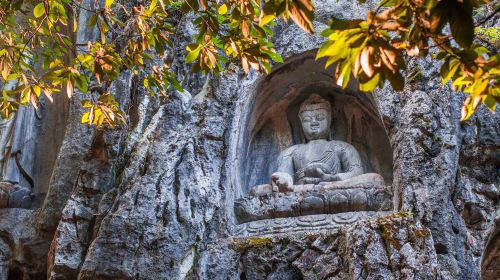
(156, 199)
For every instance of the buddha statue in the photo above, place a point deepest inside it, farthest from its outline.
(319, 164)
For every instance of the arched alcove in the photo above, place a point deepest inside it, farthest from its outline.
(267, 121)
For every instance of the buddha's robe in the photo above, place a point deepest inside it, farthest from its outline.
(303, 162)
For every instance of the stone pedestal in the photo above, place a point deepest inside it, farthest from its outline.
(326, 200)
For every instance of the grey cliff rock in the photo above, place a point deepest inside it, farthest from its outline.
(156, 199)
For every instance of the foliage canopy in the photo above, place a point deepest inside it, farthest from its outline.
(39, 55)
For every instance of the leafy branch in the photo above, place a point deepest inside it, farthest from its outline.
(372, 50)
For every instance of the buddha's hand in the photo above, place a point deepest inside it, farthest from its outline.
(282, 182)
(325, 177)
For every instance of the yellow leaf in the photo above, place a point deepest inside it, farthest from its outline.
(265, 19)
(371, 84)
(36, 90)
(75, 24)
(222, 9)
(480, 87)
(85, 117)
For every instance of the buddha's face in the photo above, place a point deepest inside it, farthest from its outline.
(315, 124)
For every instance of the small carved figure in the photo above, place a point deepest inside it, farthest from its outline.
(319, 163)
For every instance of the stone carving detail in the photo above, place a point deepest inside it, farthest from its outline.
(304, 223)
(323, 201)
(318, 177)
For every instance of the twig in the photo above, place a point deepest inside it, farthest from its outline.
(29, 40)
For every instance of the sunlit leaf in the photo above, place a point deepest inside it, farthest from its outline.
(39, 10)
(193, 53)
(371, 84)
(222, 9)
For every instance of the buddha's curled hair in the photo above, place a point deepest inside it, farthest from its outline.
(315, 102)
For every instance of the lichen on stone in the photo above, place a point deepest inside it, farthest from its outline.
(489, 34)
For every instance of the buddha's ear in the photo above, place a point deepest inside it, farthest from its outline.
(332, 133)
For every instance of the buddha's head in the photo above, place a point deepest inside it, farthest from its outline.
(315, 117)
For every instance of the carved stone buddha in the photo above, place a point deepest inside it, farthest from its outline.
(318, 164)
(319, 177)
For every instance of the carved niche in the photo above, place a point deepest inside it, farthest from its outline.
(271, 125)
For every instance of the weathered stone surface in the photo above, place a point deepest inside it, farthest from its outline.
(356, 251)
(156, 200)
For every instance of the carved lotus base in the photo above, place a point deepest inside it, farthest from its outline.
(321, 201)
(310, 223)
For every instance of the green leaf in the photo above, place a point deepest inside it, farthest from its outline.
(386, 3)
(266, 19)
(266, 66)
(92, 20)
(39, 10)
(147, 56)
(192, 53)
(453, 66)
(397, 80)
(81, 83)
(490, 102)
(479, 50)
(175, 84)
(343, 24)
(269, 12)
(371, 84)
(461, 23)
(327, 32)
(440, 55)
(274, 56)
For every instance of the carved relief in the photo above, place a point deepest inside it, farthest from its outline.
(303, 223)
(320, 176)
